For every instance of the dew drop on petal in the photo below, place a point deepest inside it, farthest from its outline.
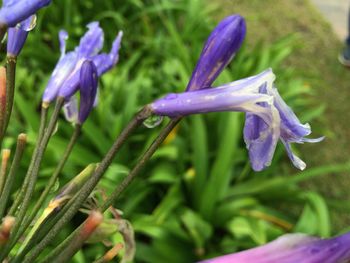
(153, 121)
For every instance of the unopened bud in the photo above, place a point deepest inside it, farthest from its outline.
(7, 224)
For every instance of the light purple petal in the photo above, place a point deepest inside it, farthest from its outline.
(70, 110)
(61, 72)
(293, 248)
(242, 95)
(63, 36)
(92, 42)
(105, 62)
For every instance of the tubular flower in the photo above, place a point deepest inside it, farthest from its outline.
(292, 248)
(221, 46)
(17, 35)
(88, 92)
(64, 81)
(14, 11)
(268, 118)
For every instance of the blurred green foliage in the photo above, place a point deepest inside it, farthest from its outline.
(198, 196)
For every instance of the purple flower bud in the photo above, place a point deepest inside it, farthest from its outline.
(218, 51)
(268, 118)
(13, 12)
(292, 248)
(88, 89)
(18, 35)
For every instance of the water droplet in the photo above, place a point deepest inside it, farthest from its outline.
(28, 24)
(153, 121)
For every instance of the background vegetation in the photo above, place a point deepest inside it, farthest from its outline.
(198, 196)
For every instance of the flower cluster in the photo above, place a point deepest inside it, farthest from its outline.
(268, 118)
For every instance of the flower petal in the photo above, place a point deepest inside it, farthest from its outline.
(13, 12)
(70, 110)
(92, 42)
(292, 248)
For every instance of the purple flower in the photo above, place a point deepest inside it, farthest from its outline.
(294, 248)
(15, 11)
(103, 62)
(17, 35)
(268, 118)
(218, 51)
(64, 81)
(88, 92)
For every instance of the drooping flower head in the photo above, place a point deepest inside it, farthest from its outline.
(268, 118)
(17, 35)
(15, 11)
(292, 248)
(221, 46)
(64, 81)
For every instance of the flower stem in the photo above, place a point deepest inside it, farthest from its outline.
(10, 91)
(140, 164)
(32, 174)
(21, 143)
(19, 197)
(54, 177)
(75, 204)
(120, 188)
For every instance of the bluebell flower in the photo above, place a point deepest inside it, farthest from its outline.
(219, 49)
(64, 81)
(15, 11)
(17, 35)
(103, 62)
(294, 248)
(268, 118)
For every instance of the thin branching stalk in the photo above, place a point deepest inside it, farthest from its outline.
(116, 193)
(54, 176)
(19, 197)
(32, 174)
(140, 164)
(21, 143)
(11, 63)
(75, 204)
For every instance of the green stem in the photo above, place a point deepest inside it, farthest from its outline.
(3, 30)
(10, 91)
(32, 177)
(116, 193)
(75, 204)
(21, 143)
(20, 195)
(140, 164)
(53, 178)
